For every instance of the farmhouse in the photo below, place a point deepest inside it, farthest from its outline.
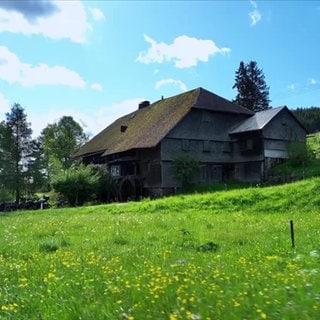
(230, 142)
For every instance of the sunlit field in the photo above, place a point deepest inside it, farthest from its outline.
(220, 255)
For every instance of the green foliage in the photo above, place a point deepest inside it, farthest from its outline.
(185, 167)
(37, 177)
(253, 92)
(313, 143)
(52, 244)
(304, 160)
(76, 184)
(5, 195)
(16, 149)
(299, 153)
(106, 188)
(225, 255)
(60, 141)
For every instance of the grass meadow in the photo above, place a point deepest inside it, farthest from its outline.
(219, 255)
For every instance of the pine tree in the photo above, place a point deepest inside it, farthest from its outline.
(253, 92)
(15, 148)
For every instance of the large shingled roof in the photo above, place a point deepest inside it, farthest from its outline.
(146, 127)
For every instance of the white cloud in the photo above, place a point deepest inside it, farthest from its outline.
(96, 86)
(119, 109)
(255, 15)
(4, 104)
(92, 122)
(178, 83)
(313, 81)
(185, 51)
(68, 21)
(254, 4)
(292, 87)
(105, 115)
(13, 70)
(39, 121)
(97, 14)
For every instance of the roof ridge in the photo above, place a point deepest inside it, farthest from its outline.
(199, 89)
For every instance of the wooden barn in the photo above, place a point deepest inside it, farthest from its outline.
(230, 141)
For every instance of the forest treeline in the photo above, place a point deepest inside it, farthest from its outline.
(309, 117)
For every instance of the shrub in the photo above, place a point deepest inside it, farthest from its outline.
(185, 167)
(299, 153)
(77, 185)
(106, 188)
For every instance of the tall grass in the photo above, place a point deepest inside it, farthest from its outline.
(219, 255)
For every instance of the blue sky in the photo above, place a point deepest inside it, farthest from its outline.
(96, 60)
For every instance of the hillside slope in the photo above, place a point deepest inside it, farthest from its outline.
(299, 196)
(224, 255)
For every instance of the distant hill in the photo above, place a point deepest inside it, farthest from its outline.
(309, 117)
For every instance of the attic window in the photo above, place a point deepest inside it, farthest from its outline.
(123, 128)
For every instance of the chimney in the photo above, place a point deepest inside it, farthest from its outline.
(144, 104)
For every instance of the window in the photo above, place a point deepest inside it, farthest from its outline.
(115, 171)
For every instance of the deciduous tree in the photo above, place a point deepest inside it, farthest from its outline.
(60, 141)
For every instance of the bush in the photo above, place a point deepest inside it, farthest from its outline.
(106, 188)
(185, 167)
(77, 185)
(299, 153)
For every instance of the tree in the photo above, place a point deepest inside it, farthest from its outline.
(309, 117)
(253, 92)
(16, 145)
(37, 176)
(60, 141)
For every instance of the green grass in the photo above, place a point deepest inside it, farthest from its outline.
(313, 141)
(219, 255)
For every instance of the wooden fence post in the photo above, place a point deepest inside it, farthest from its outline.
(292, 233)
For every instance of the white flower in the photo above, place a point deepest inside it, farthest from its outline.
(314, 253)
